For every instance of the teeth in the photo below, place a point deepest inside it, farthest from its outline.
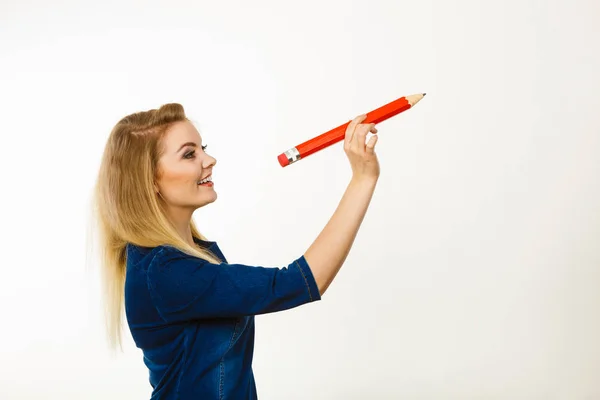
(209, 179)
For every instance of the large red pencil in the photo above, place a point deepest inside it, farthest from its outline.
(335, 135)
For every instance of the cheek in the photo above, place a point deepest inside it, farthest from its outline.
(178, 178)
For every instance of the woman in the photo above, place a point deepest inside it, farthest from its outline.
(188, 309)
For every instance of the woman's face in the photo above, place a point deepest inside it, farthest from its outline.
(182, 166)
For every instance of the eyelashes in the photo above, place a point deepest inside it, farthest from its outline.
(192, 153)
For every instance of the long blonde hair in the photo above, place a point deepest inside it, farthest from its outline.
(126, 207)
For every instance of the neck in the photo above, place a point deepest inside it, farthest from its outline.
(181, 218)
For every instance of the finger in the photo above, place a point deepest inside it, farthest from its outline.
(372, 128)
(352, 126)
(370, 147)
(360, 134)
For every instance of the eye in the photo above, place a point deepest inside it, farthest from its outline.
(204, 147)
(189, 154)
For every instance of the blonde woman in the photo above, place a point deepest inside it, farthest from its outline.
(188, 309)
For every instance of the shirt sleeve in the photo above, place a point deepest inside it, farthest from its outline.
(184, 287)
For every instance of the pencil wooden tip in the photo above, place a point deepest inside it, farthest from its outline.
(414, 98)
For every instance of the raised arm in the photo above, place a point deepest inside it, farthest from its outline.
(328, 252)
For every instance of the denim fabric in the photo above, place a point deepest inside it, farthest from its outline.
(194, 321)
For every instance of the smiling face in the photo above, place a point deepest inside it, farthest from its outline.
(182, 165)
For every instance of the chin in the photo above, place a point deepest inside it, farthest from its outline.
(207, 200)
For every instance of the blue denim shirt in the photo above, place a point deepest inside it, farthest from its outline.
(194, 320)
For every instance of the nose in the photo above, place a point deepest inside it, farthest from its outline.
(209, 162)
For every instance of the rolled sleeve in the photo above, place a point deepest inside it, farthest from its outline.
(184, 287)
(311, 284)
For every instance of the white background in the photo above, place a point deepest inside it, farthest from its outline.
(476, 272)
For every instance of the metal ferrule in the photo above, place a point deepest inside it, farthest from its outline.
(292, 155)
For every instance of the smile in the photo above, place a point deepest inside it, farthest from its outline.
(205, 180)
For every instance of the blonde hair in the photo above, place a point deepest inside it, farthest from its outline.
(127, 208)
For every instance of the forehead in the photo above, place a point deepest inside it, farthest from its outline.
(180, 133)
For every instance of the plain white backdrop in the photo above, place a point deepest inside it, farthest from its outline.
(476, 272)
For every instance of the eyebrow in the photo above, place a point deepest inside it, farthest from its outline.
(186, 144)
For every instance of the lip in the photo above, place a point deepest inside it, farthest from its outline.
(207, 176)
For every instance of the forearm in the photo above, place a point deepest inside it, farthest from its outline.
(329, 250)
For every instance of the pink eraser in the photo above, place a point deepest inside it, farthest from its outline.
(283, 160)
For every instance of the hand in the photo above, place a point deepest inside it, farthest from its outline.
(363, 160)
